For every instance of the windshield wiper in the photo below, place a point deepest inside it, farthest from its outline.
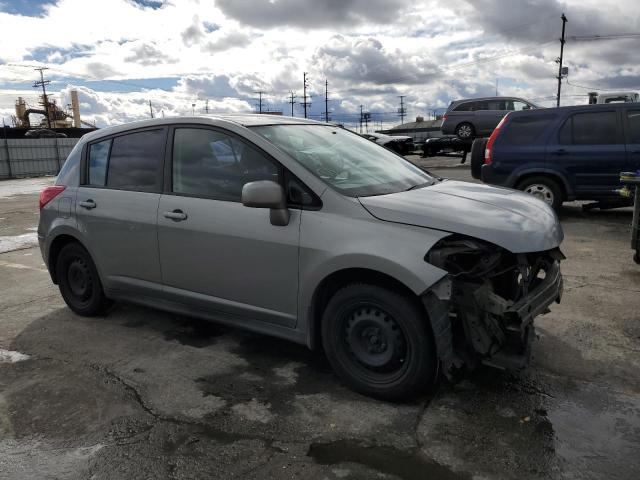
(419, 185)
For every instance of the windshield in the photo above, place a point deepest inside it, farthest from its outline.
(351, 164)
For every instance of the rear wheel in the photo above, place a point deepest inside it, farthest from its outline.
(465, 130)
(378, 342)
(477, 156)
(544, 188)
(79, 282)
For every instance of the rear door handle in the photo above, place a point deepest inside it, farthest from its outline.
(560, 151)
(177, 215)
(88, 204)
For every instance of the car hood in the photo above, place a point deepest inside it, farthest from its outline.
(513, 220)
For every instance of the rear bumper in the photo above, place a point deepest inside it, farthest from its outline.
(489, 175)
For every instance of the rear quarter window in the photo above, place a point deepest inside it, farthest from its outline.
(69, 174)
(590, 128)
(524, 130)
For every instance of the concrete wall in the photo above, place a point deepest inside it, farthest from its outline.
(33, 157)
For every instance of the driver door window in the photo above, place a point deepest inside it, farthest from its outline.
(213, 164)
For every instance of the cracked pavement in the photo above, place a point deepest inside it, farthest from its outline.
(146, 394)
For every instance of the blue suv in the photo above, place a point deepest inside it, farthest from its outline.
(562, 154)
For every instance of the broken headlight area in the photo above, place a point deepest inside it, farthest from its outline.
(483, 310)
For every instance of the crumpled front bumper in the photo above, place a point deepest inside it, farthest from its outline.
(476, 325)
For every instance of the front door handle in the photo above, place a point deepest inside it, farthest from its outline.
(560, 151)
(88, 204)
(177, 215)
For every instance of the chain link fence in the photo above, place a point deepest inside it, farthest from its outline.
(33, 157)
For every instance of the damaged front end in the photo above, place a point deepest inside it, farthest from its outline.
(483, 310)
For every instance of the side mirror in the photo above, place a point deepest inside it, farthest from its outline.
(267, 194)
(527, 107)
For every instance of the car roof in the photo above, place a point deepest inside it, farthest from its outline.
(246, 120)
(480, 99)
(594, 106)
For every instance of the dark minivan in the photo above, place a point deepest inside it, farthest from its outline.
(562, 154)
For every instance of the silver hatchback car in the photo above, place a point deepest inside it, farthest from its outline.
(308, 232)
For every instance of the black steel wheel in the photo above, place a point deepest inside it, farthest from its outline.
(379, 342)
(79, 282)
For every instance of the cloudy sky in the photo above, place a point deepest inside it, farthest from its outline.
(121, 54)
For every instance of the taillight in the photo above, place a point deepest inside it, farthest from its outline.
(49, 193)
(488, 156)
(445, 116)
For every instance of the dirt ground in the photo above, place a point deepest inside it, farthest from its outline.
(145, 394)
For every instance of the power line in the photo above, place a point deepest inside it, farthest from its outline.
(593, 88)
(615, 36)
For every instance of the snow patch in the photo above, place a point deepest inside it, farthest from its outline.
(25, 186)
(9, 356)
(18, 242)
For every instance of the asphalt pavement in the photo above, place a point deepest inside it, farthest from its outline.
(141, 393)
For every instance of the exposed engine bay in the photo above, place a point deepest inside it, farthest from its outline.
(483, 310)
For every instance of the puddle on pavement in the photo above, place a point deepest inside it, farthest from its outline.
(195, 333)
(408, 465)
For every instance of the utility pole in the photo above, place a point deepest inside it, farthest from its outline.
(150, 109)
(206, 106)
(559, 60)
(259, 92)
(326, 101)
(292, 101)
(193, 109)
(304, 102)
(360, 118)
(496, 86)
(402, 111)
(42, 83)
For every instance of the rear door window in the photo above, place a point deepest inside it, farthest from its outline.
(213, 164)
(633, 119)
(135, 162)
(590, 128)
(466, 107)
(525, 129)
(98, 158)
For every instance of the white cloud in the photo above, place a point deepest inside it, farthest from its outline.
(369, 50)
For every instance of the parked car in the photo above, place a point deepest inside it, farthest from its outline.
(562, 154)
(400, 144)
(445, 144)
(307, 232)
(43, 133)
(477, 117)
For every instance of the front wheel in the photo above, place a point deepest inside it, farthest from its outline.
(378, 342)
(79, 282)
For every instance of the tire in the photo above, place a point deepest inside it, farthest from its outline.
(79, 282)
(465, 130)
(477, 157)
(545, 188)
(378, 342)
